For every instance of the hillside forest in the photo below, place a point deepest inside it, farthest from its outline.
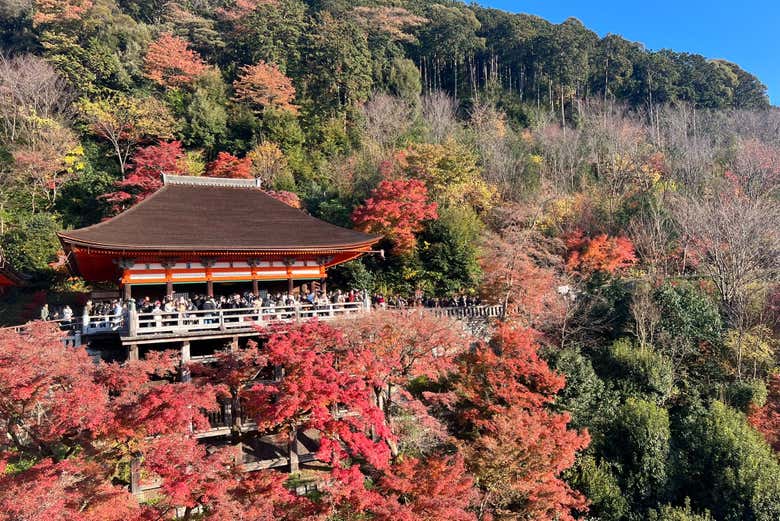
(621, 203)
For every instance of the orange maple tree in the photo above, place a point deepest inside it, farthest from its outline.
(171, 63)
(264, 85)
(521, 271)
(600, 253)
(58, 11)
(230, 166)
(520, 447)
(432, 489)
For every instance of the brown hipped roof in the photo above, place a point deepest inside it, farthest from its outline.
(208, 214)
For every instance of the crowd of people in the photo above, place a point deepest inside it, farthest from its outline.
(181, 306)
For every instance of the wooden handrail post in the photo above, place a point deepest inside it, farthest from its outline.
(221, 320)
(132, 319)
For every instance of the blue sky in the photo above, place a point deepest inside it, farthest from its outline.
(746, 32)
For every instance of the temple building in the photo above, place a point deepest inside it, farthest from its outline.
(202, 231)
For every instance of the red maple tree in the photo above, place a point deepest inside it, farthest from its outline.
(767, 418)
(600, 253)
(264, 85)
(72, 489)
(79, 420)
(391, 348)
(228, 165)
(171, 63)
(145, 174)
(319, 392)
(396, 209)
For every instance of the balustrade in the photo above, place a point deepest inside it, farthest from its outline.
(136, 325)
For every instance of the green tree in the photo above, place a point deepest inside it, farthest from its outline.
(611, 67)
(336, 66)
(586, 397)
(273, 32)
(726, 466)
(450, 37)
(682, 513)
(598, 482)
(689, 332)
(641, 373)
(448, 253)
(205, 113)
(404, 80)
(31, 242)
(639, 445)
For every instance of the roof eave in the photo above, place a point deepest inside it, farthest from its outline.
(345, 247)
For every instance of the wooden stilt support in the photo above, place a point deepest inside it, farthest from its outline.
(135, 474)
(294, 460)
(132, 352)
(185, 358)
(234, 344)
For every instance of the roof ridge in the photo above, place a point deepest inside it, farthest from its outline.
(190, 180)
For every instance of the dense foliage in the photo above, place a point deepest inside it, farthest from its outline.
(622, 205)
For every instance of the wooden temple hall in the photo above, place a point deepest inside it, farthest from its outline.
(200, 230)
(199, 235)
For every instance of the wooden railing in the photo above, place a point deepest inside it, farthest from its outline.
(107, 323)
(231, 320)
(494, 311)
(134, 324)
(70, 326)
